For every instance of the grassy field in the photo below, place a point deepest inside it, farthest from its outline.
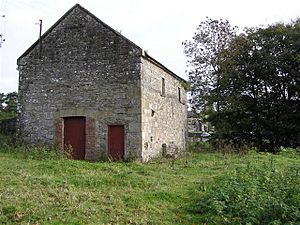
(50, 191)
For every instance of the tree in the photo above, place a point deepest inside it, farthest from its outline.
(261, 88)
(8, 105)
(2, 99)
(249, 84)
(204, 54)
(10, 102)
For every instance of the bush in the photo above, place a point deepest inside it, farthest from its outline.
(254, 195)
(290, 152)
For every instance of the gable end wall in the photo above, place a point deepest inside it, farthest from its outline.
(86, 69)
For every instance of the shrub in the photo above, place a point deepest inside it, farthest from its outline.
(290, 152)
(254, 195)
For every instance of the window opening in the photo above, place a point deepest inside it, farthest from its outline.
(152, 112)
(163, 87)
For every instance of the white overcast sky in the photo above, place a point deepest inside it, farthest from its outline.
(158, 26)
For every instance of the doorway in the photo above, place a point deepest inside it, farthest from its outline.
(116, 142)
(74, 137)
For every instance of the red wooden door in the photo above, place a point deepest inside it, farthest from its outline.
(74, 136)
(116, 142)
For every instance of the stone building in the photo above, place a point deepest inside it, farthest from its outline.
(86, 88)
(197, 128)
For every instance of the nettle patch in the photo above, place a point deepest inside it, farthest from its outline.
(254, 194)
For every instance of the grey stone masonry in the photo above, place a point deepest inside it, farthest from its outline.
(87, 69)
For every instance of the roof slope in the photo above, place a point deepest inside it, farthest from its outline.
(143, 54)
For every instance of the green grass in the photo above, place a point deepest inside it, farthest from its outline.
(51, 191)
(254, 194)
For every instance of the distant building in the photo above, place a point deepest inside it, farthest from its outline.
(197, 129)
(88, 89)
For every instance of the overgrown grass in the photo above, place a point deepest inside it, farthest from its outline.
(265, 192)
(46, 190)
(75, 192)
(13, 146)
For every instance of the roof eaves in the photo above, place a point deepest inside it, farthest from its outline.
(145, 55)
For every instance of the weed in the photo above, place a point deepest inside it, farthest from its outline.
(254, 194)
(11, 145)
(289, 151)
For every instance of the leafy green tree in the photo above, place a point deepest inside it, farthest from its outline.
(8, 105)
(260, 87)
(10, 102)
(248, 83)
(204, 54)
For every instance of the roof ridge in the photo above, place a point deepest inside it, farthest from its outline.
(77, 5)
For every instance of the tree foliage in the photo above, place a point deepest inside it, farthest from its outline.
(8, 105)
(259, 88)
(204, 54)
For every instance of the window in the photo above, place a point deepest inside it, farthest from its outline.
(179, 94)
(152, 112)
(163, 87)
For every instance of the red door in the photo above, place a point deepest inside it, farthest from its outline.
(116, 142)
(74, 136)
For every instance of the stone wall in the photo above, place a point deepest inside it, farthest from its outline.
(164, 115)
(86, 69)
